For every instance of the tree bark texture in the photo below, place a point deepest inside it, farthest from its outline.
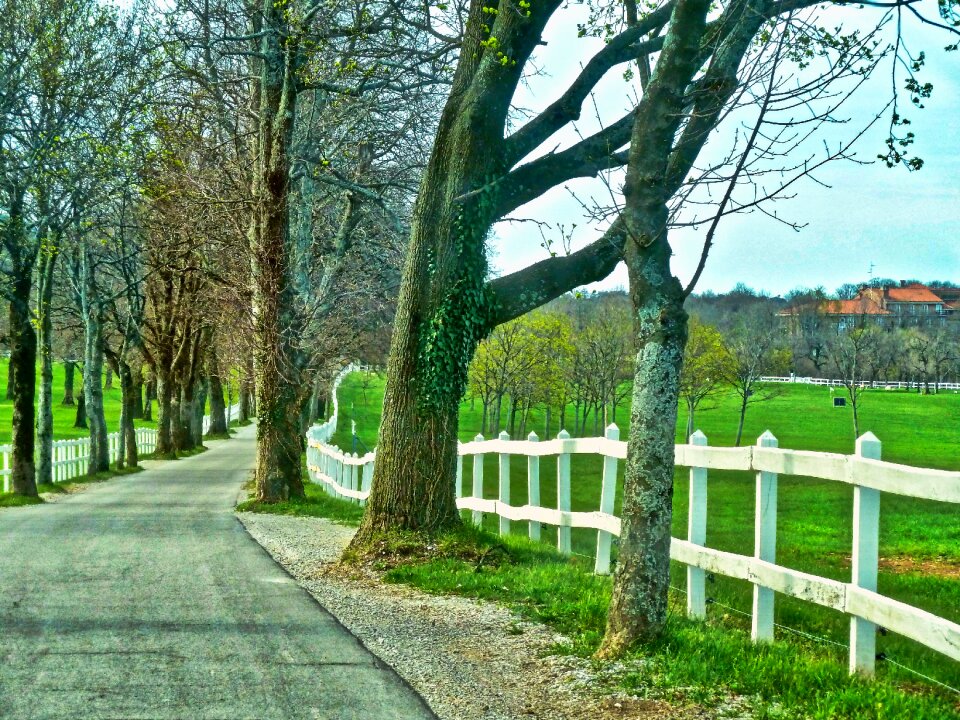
(80, 421)
(99, 460)
(277, 323)
(69, 374)
(150, 394)
(23, 371)
(218, 407)
(48, 260)
(128, 454)
(138, 388)
(165, 415)
(638, 606)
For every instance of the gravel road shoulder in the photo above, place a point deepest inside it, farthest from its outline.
(470, 660)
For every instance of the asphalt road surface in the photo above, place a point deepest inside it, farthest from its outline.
(144, 597)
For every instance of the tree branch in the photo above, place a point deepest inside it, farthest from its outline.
(522, 291)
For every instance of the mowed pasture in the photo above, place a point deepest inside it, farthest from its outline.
(919, 540)
(63, 415)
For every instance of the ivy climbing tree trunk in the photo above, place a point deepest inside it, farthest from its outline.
(446, 306)
(276, 320)
(442, 313)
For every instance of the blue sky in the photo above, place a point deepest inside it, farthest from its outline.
(906, 224)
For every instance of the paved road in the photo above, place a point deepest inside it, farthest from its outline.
(144, 597)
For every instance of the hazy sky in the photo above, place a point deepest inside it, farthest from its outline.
(904, 224)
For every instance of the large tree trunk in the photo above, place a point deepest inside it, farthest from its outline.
(48, 261)
(638, 604)
(165, 415)
(93, 391)
(638, 608)
(22, 388)
(218, 407)
(277, 321)
(80, 421)
(442, 314)
(99, 460)
(128, 434)
(69, 373)
(138, 387)
(183, 434)
(150, 394)
(198, 405)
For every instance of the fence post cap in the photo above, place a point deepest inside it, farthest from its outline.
(504, 435)
(698, 438)
(767, 440)
(478, 438)
(612, 432)
(563, 435)
(868, 446)
(532, 437)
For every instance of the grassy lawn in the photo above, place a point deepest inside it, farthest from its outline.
(704, 663)
(63, 415)
(919, 542)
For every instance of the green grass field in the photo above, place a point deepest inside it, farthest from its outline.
(63, 415)
(919, 543)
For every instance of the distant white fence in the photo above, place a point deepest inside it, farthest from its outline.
(230, 411)
(349, 476)
(874, 384)
(70, 457)
(323, 433)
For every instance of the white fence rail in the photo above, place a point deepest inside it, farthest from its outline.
(70, 457)
(349, 476)
(323, 433)
(874, 384)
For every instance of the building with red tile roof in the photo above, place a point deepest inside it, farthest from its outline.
(903, 305)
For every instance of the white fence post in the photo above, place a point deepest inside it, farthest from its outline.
(354, 478)
(459, 481)
(504, 494)
(563, 494)
(866, 551)
(608, 495)
(478, 481)
(765, 544)
(533, 486)
(367, 478)
(6, 468)
(697, 533)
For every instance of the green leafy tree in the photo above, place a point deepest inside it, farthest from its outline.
(705, 360)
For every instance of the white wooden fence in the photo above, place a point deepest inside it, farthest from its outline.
(349, 476)
(70, 457)
(874, 384)
(323, 433)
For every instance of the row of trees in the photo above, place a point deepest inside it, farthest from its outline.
(243, 175)
(558, 358)
(696, 64)
(125, 200)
